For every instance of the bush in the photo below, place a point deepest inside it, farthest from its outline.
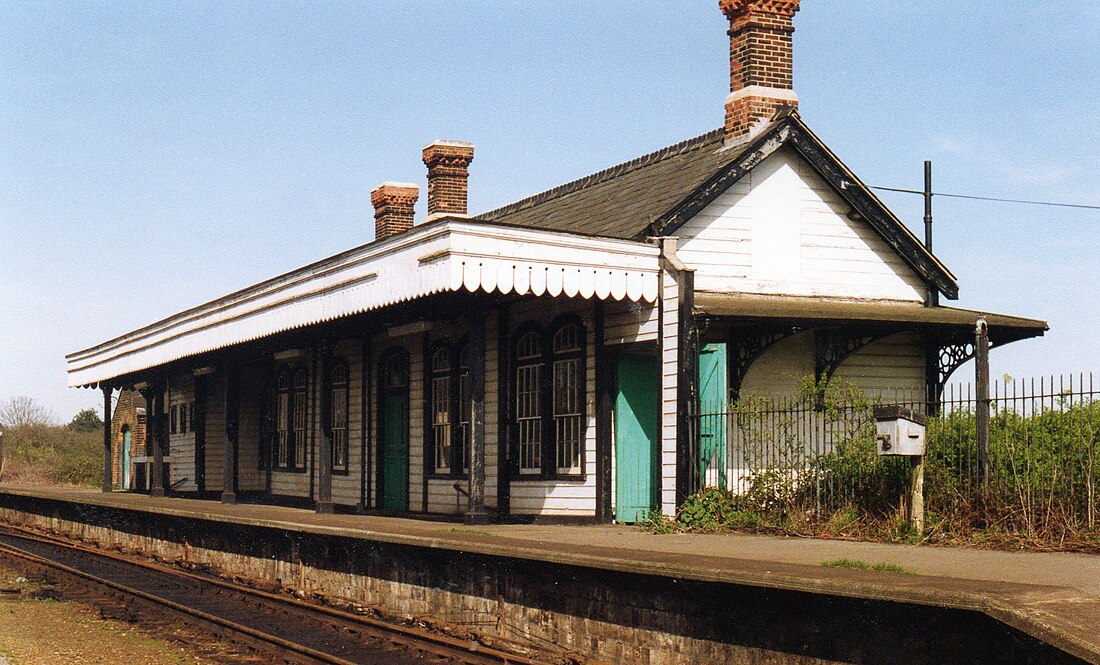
(709, 510)
(39, 454)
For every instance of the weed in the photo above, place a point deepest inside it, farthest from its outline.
(657, 522)
(472, 532)
(863, 565)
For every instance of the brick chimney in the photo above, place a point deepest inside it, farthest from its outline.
(448, 165)
(761, 62)
(393, 208)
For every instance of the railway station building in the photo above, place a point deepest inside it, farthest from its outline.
(541, 360)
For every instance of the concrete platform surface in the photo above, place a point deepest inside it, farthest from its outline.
(1052, 596)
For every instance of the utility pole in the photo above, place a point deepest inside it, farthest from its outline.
(933, 292)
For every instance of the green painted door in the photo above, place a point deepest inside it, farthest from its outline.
(127, 444)
(636, 445)
(395, 452)
(712, 409)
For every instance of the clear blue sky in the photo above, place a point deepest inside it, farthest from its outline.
(156, 155)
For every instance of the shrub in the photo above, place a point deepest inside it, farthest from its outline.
(41, 453)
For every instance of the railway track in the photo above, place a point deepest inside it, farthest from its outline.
(265, 626)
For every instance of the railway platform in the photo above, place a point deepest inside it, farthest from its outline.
(1051, 597)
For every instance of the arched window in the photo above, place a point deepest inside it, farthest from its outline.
(529, 361)
(281, 452)
(338, 401)
(550, 387)
(440, 407)
(299, 419)
(448, 410)
(568, 397)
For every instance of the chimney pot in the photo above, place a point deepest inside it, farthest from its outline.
(394, 208)
(761, 63)
(448, 165)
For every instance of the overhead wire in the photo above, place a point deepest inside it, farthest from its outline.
(971, 197)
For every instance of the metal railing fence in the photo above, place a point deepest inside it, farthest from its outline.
(816, 453)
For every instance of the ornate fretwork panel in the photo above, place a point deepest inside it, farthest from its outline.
(945, 355)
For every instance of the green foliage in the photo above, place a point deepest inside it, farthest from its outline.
(863, 565)
(1044, 480)
(810, 466)
(709, 510)
(86, 420)
(659, 523)
(53, 454)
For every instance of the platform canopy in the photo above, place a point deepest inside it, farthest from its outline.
(445, 255)
(804, 309)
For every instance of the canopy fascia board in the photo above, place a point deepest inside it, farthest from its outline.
(836, 310)
(446, 256)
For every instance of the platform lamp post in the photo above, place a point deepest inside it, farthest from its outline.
(107, 457)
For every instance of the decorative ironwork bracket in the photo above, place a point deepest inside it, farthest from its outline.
(746, 346)
(945, 355)
(832, 346)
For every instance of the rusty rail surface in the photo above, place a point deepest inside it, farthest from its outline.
(280, 627)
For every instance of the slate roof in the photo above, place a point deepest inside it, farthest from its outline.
(622, 201)
(655, 194)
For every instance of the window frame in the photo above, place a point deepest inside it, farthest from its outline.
(457, 432)
(293, 393)
(333, 386)
(547, 358)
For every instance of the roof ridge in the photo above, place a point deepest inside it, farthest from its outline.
(686, 145)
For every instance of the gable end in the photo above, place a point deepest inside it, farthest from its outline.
(789, 129)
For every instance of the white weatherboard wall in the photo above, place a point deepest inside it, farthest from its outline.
(886, 368)
(890, 368)
(783, 230)
(564, 497)
(181, 446)
(670, 371)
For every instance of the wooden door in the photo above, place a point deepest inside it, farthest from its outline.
(393, 434)
(395, 452)
(636, 445)
(127, 444)
(712, 408)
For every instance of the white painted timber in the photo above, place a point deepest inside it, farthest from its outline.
(670, 372)
(782, 230)
(442, 257)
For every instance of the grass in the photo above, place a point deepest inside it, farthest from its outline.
(863, 565)
(472, 532)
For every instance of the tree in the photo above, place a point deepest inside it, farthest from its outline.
(24, 411)
(86, 420)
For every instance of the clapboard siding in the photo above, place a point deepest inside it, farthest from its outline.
(181, 447)
(492, 409)
(346, 486)
(887, 368)
(297, 483)
(215, 432)
(777, 372)
(251, 409)
(670, 368)
(441, 491)
(626, 322)
(783, 230)
(891, 368)
(561, 497)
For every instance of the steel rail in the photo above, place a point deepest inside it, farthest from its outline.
(467, 651)
(251, 633)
